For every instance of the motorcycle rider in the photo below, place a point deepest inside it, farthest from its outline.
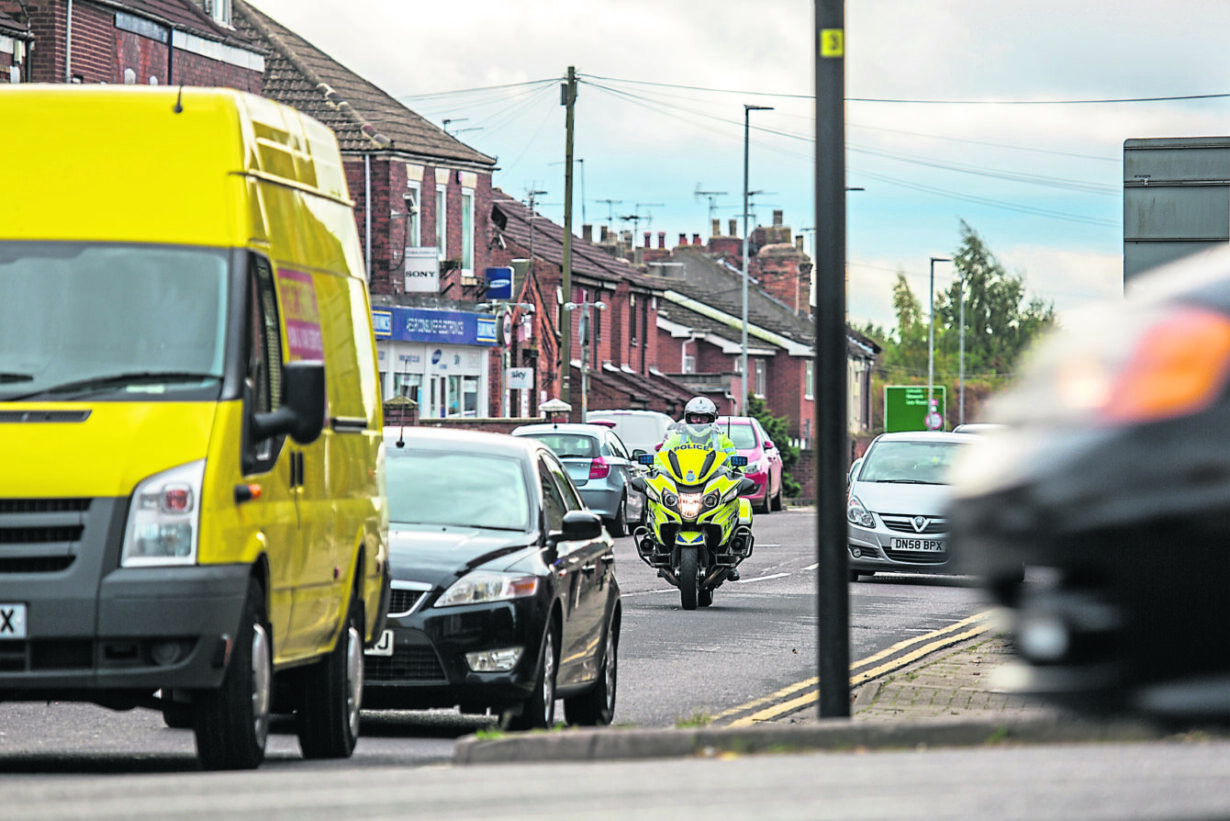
(699, 427)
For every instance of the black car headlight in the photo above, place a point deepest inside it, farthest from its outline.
(484, 586)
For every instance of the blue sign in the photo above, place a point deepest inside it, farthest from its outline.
(382, 323)
(499, 283)
(434, 326)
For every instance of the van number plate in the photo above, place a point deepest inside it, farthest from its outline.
(919, 545)
(12, 621)
(384, 647)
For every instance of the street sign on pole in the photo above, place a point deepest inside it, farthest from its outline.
(905, 408)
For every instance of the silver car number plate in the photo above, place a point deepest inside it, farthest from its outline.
(384, 647)
(12, 621)
(920, 545)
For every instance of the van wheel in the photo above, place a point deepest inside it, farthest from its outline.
(331, 692)
(231, 723)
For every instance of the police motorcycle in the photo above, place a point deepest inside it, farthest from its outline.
(697, 528)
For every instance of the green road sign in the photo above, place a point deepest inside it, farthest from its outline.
(905, 408)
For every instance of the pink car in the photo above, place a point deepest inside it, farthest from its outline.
(764, 462)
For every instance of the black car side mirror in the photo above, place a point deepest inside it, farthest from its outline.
(302, 412)
(579, 525)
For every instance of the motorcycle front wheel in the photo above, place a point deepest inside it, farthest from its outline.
(689, 578)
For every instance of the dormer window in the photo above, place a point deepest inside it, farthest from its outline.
(219, 10)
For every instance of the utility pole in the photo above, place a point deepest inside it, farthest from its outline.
(568, 99)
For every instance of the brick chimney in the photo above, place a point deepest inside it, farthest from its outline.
(605, 233)
(717, 228)
(785, 272)
(696, 239)
(662, 239)
(777, 217)
(683, 239)
(734, 227)
(587, 233)
(647, 233)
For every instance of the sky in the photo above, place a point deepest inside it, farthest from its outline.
(1005, 115)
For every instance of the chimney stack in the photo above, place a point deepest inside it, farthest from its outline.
(717, 228)
(646, 239)
(734, 227)
(683, 239)
(587, 233)
(777, 217)
(696, 239)
(662, 239)
(605, 233)
(798, 242)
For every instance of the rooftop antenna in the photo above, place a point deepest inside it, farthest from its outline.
(610, 211)
(179, 101)
(711, 196)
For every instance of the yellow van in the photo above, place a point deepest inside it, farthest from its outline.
(192, 510)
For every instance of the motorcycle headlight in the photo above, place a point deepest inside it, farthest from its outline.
(711, 500)
(164, 521)
(484, 586)
(669, 499)
(859, 515)
(689, 505)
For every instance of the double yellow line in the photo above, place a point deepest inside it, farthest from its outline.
(787, 700)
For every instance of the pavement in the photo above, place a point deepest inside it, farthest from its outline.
(949, 697)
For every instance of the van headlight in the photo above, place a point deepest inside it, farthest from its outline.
(165, 518)
(858, 514)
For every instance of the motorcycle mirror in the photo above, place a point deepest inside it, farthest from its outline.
(637, 484)
(746, 486)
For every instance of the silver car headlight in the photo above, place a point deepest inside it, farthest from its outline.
(164, 521)
(859, 515)
(483, 586)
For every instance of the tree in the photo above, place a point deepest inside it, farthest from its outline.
(999, 325)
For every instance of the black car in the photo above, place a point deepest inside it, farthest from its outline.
(1109, 487)
(504, 595)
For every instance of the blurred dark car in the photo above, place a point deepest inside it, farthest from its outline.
(599, 465)
(1110, 485)
(504, 595)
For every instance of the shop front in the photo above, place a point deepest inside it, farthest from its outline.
(437, 358)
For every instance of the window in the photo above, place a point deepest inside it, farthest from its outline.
(411, 201)
(808, 380)
(130, 77)
(632, 320)
(552, 501)
(263, 380)
(441, 221)
(219, 10)
(759, 369)
(467, 232)
(407, 385)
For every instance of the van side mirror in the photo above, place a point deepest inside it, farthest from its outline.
(302, 412)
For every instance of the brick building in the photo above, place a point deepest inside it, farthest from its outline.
(617, 366)
(15, 40)
(146, 42)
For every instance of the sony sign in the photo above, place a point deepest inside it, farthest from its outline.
(422, 270)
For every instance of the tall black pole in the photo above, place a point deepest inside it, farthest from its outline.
(568, 98)
(832, 436)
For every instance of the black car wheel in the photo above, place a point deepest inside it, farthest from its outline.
(231, 724)
(619, 525)
(331, 692)
(597, 706)
(538, 711)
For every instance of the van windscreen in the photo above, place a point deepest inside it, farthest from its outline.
(86, 319)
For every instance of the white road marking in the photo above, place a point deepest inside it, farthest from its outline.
(811, 567)
(763, 578)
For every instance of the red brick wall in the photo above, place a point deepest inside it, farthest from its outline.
(146, 57)
(194, 70)
(47, 20)
(93, 47)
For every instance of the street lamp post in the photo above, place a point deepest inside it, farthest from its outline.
(961, 296)
(931, 336)
(743, 356)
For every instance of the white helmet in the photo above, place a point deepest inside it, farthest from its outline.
(699, 416)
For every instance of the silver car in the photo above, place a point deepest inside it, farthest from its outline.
(896, 506)
(599, 465)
